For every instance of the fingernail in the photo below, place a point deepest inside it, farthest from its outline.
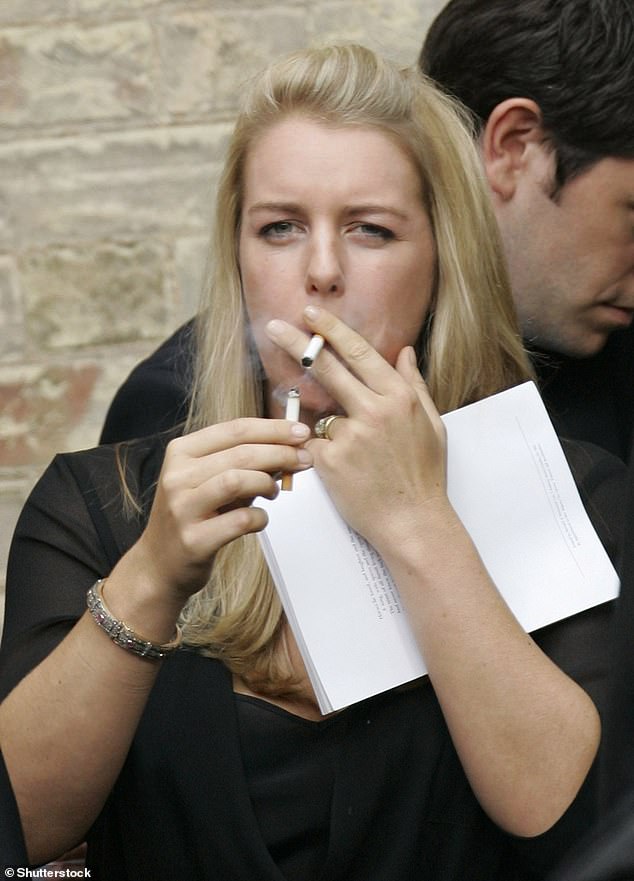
(312, 312)
(275, 327)
(300, 430)
(412, 357)
(304, 457)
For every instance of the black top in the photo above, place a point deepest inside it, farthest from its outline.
(205, 794)
(290, 766)
(12, 848)
(588, 399)
(607, 852)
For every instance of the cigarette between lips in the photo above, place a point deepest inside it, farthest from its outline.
(313, 349)
(292, 414)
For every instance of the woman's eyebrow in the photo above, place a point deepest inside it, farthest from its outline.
(370, 208)
(291, 207)
(350, 210)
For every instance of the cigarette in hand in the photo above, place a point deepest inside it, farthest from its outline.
(313, 349)
(292, 414)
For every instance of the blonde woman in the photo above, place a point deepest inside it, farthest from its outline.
(351, 206)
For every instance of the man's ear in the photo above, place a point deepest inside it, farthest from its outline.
(512, 129)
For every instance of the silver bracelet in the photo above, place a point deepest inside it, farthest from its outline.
(121, 634)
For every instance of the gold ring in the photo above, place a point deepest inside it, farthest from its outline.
(323, 426)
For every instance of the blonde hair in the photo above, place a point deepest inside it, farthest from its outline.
(469, 347)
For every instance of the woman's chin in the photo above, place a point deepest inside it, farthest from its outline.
(315, 401)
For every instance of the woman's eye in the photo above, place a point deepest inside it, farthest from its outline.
(277, 230)
(373, 231)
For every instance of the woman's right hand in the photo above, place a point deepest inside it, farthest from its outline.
(205, 492)
(88, 685)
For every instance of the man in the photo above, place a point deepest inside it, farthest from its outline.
(549, 84)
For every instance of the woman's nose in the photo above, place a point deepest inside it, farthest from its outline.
(324, 272)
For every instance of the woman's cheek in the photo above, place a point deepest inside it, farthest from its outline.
(389, 340)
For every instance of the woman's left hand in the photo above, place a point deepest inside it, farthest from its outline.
(525, 733)
(387, 458)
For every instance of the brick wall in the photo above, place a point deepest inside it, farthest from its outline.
(113, 119)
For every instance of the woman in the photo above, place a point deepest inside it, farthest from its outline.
(351, 206)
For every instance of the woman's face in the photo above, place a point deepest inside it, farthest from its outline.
(335, 217)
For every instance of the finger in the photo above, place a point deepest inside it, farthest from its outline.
(226, 491)
(190, 473)
(407, 367)
(247, 430)
(326, 428)
(356, 352)
(335, 376)
(208, 536)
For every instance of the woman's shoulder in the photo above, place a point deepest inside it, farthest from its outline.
(107, 489)
(107, 467)
(138, 455)
(74, 527)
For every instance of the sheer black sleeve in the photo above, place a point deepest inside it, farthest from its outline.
(72, 530)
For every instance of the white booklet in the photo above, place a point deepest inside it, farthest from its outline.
(509, 482)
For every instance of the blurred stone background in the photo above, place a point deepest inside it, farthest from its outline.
(113, 119)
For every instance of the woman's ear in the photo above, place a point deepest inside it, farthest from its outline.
(512, 131)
